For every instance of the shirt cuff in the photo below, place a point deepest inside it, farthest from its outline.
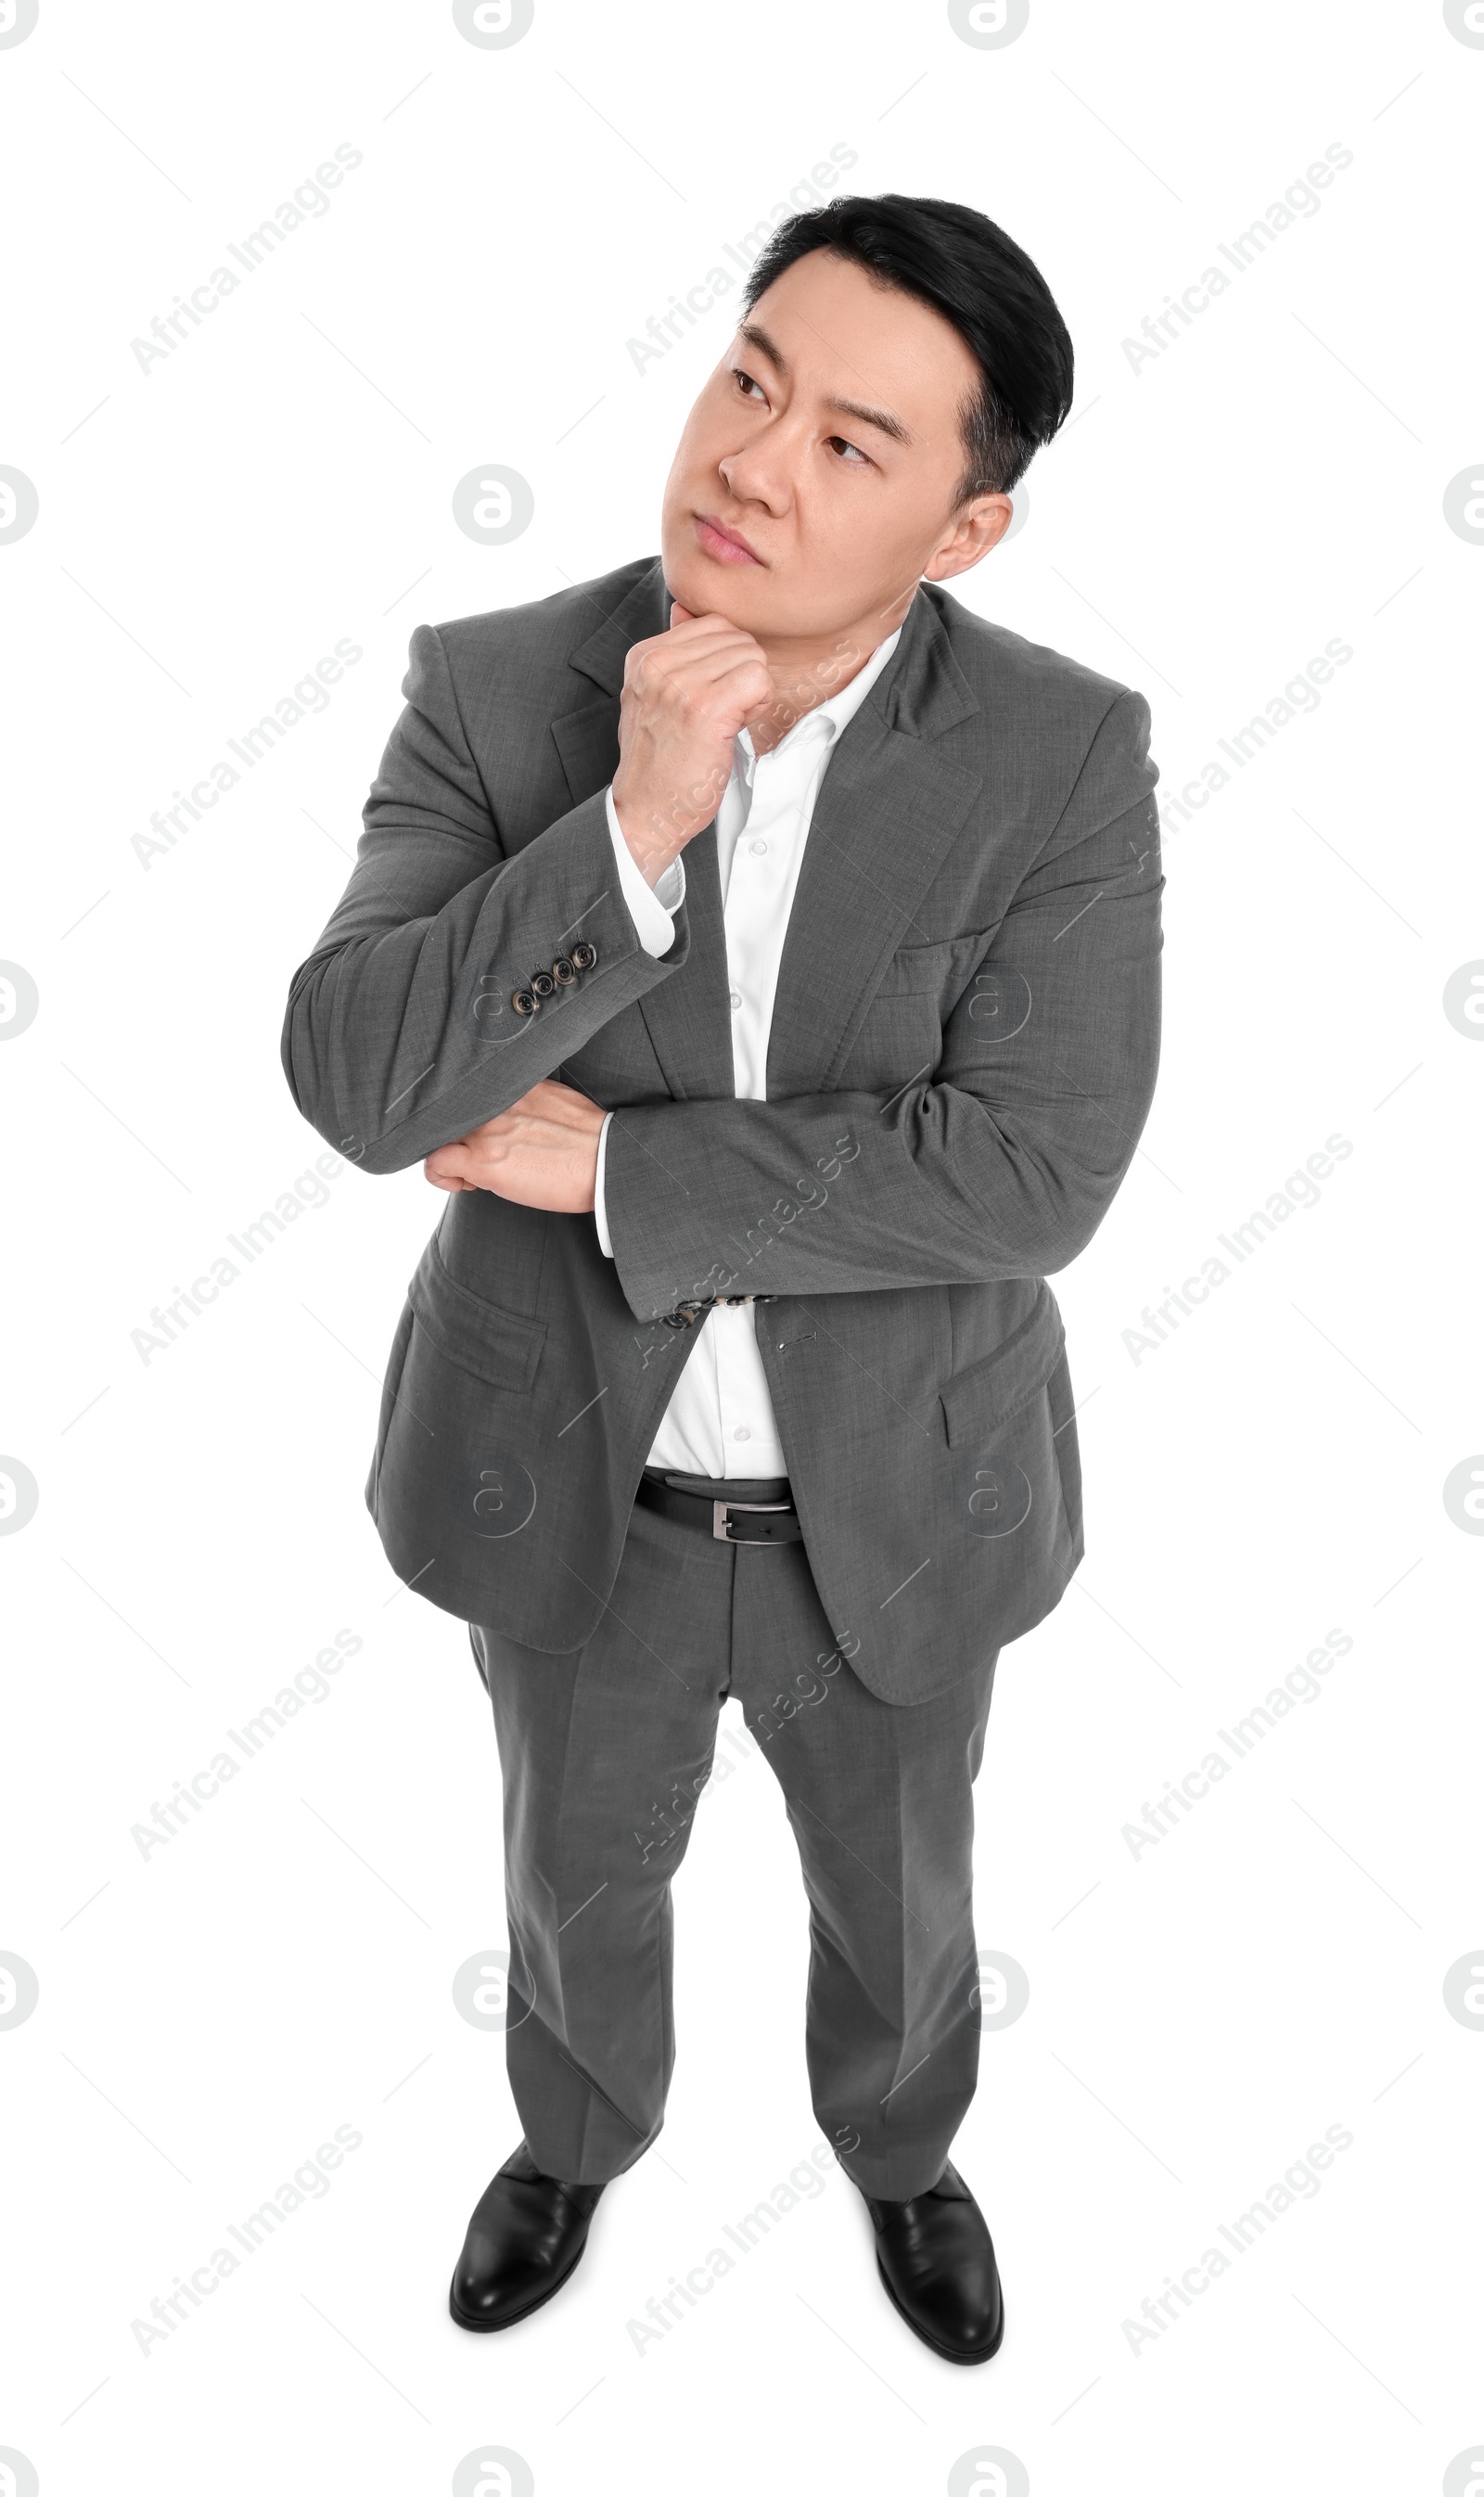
(650, 906)
(598, 1216)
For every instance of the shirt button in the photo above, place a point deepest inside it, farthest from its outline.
(736, 997)
(759, 849)
(741, 1432)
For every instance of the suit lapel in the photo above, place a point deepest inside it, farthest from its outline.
(587, 738)
(888, 812)
(587, 743)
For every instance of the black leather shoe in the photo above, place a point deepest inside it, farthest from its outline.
(525, 2239)
(939, 2269)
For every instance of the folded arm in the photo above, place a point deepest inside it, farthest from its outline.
(1000, 1162)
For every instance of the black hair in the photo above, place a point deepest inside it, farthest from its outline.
(969, 271)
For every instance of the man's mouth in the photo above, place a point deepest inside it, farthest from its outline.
(723, 543)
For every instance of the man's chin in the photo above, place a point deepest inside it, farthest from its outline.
(731, 591)
(710, 591)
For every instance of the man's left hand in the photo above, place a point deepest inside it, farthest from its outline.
(543, 1150)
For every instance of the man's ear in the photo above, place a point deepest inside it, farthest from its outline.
(975, 528)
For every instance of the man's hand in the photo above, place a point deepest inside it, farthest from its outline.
(685, 695)
(541, 1152)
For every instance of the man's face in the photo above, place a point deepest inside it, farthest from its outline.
(816, 481)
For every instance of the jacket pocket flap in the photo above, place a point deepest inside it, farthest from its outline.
(502, 1347)
(978, 1402)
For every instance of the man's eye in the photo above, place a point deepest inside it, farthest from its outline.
(745, 382)
(847, 450)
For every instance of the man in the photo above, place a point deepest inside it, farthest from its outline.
(761, 953)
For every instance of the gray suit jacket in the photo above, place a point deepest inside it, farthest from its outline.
(963, 1055)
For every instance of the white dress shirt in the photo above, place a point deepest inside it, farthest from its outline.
(720, 1419)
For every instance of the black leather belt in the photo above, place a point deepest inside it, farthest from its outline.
(725, 1520)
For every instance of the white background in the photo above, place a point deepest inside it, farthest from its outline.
(1198, 2014)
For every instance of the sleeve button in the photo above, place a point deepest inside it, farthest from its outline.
(585, 954)
(543, 985)
(565, 971)
(524, 1003)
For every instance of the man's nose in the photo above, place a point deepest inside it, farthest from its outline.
(763, 472)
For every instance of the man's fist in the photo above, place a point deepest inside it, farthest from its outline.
(542, 1152)
(685, 695)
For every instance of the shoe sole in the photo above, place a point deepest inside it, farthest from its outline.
(941, 2350)
(484, 2324)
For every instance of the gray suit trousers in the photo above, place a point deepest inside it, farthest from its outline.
(604, 1752)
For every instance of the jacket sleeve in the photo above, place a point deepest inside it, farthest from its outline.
(1002, 1163)
(401, 1033)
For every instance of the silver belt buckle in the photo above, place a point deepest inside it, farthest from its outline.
(752, 1507)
